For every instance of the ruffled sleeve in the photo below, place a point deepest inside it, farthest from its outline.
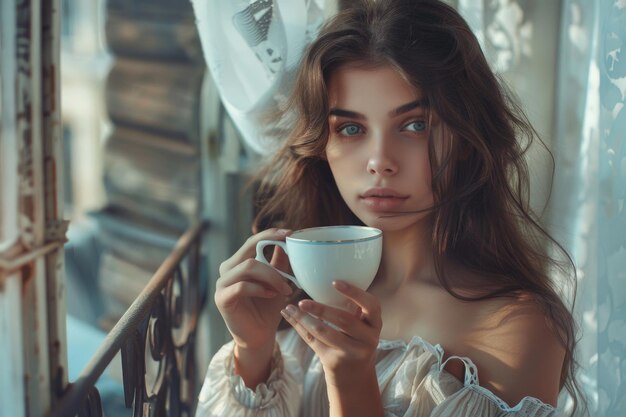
(225, 394)
(450, 397)
(477, 401)
(414, 383)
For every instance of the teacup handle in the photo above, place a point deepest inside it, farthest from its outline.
(260, 256)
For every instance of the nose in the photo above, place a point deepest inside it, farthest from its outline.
(381, 160)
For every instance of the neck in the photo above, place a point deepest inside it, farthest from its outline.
(407, 258)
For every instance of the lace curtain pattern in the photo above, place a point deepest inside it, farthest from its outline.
(252, 48)
(590, 188)
(565, 61)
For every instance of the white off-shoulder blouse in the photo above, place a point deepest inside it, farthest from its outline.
(411, 377)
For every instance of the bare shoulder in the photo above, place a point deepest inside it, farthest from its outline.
(517, 351)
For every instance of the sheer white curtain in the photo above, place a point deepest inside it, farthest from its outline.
(252, 48)
(565, 60)
(590, 188)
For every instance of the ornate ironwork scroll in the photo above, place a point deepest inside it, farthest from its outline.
(156, 337)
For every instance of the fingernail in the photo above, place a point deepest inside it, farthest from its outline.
(291, 310)
(340, 285)
(305, 304)
(282, 231)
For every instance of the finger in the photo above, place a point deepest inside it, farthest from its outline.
(246, 289)
(370, 306)
(315, 332)
(253, 270)
(248, 249)
(349, 323)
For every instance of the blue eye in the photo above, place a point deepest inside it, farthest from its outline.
(349, 130)
(416, 126)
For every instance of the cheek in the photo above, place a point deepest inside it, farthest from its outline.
(336, 149)
(425, 170)
(338, 158)
(332, 151)
(419, 173)
(342, 165)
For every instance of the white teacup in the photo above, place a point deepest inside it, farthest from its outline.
(321, 255)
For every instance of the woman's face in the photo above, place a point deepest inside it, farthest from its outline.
(378, 145)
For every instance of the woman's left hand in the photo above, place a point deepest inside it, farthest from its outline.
(344, 352)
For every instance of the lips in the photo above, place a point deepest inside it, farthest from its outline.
(383, 193)
(383, 199)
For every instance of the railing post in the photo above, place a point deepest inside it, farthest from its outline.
(32, 325)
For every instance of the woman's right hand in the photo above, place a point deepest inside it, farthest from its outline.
(250, 294)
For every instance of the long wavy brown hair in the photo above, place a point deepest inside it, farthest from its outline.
(482, 216)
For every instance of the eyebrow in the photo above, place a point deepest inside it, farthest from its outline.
(394, 113)
(408, 107)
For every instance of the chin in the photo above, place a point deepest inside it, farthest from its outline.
(389, 224)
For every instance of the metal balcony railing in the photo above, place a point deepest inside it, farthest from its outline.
(156, 337)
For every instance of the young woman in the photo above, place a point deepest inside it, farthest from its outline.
(402, 126)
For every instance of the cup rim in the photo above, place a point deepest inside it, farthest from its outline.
(377, 234)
